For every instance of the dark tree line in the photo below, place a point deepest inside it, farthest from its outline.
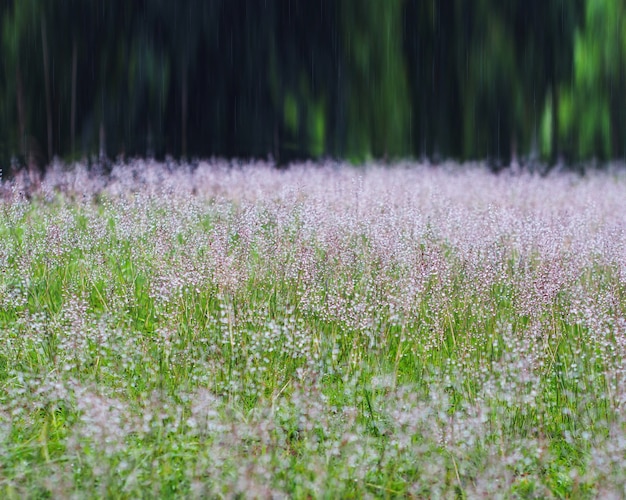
(298, 79)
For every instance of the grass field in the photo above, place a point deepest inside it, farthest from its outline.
(324, 331)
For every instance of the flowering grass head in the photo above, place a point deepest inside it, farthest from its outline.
(233, 329)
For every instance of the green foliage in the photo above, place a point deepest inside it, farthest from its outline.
(595, 121)
(378, 95)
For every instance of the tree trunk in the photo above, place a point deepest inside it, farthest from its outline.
(184, 113)
(73, 117)
(554, 150)
(103, 151)
(46, 71)
(21, 115)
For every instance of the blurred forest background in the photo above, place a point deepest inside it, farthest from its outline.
(534, 80)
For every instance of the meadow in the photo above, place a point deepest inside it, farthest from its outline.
(234, 330)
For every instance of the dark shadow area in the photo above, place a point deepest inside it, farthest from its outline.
(516, 83)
